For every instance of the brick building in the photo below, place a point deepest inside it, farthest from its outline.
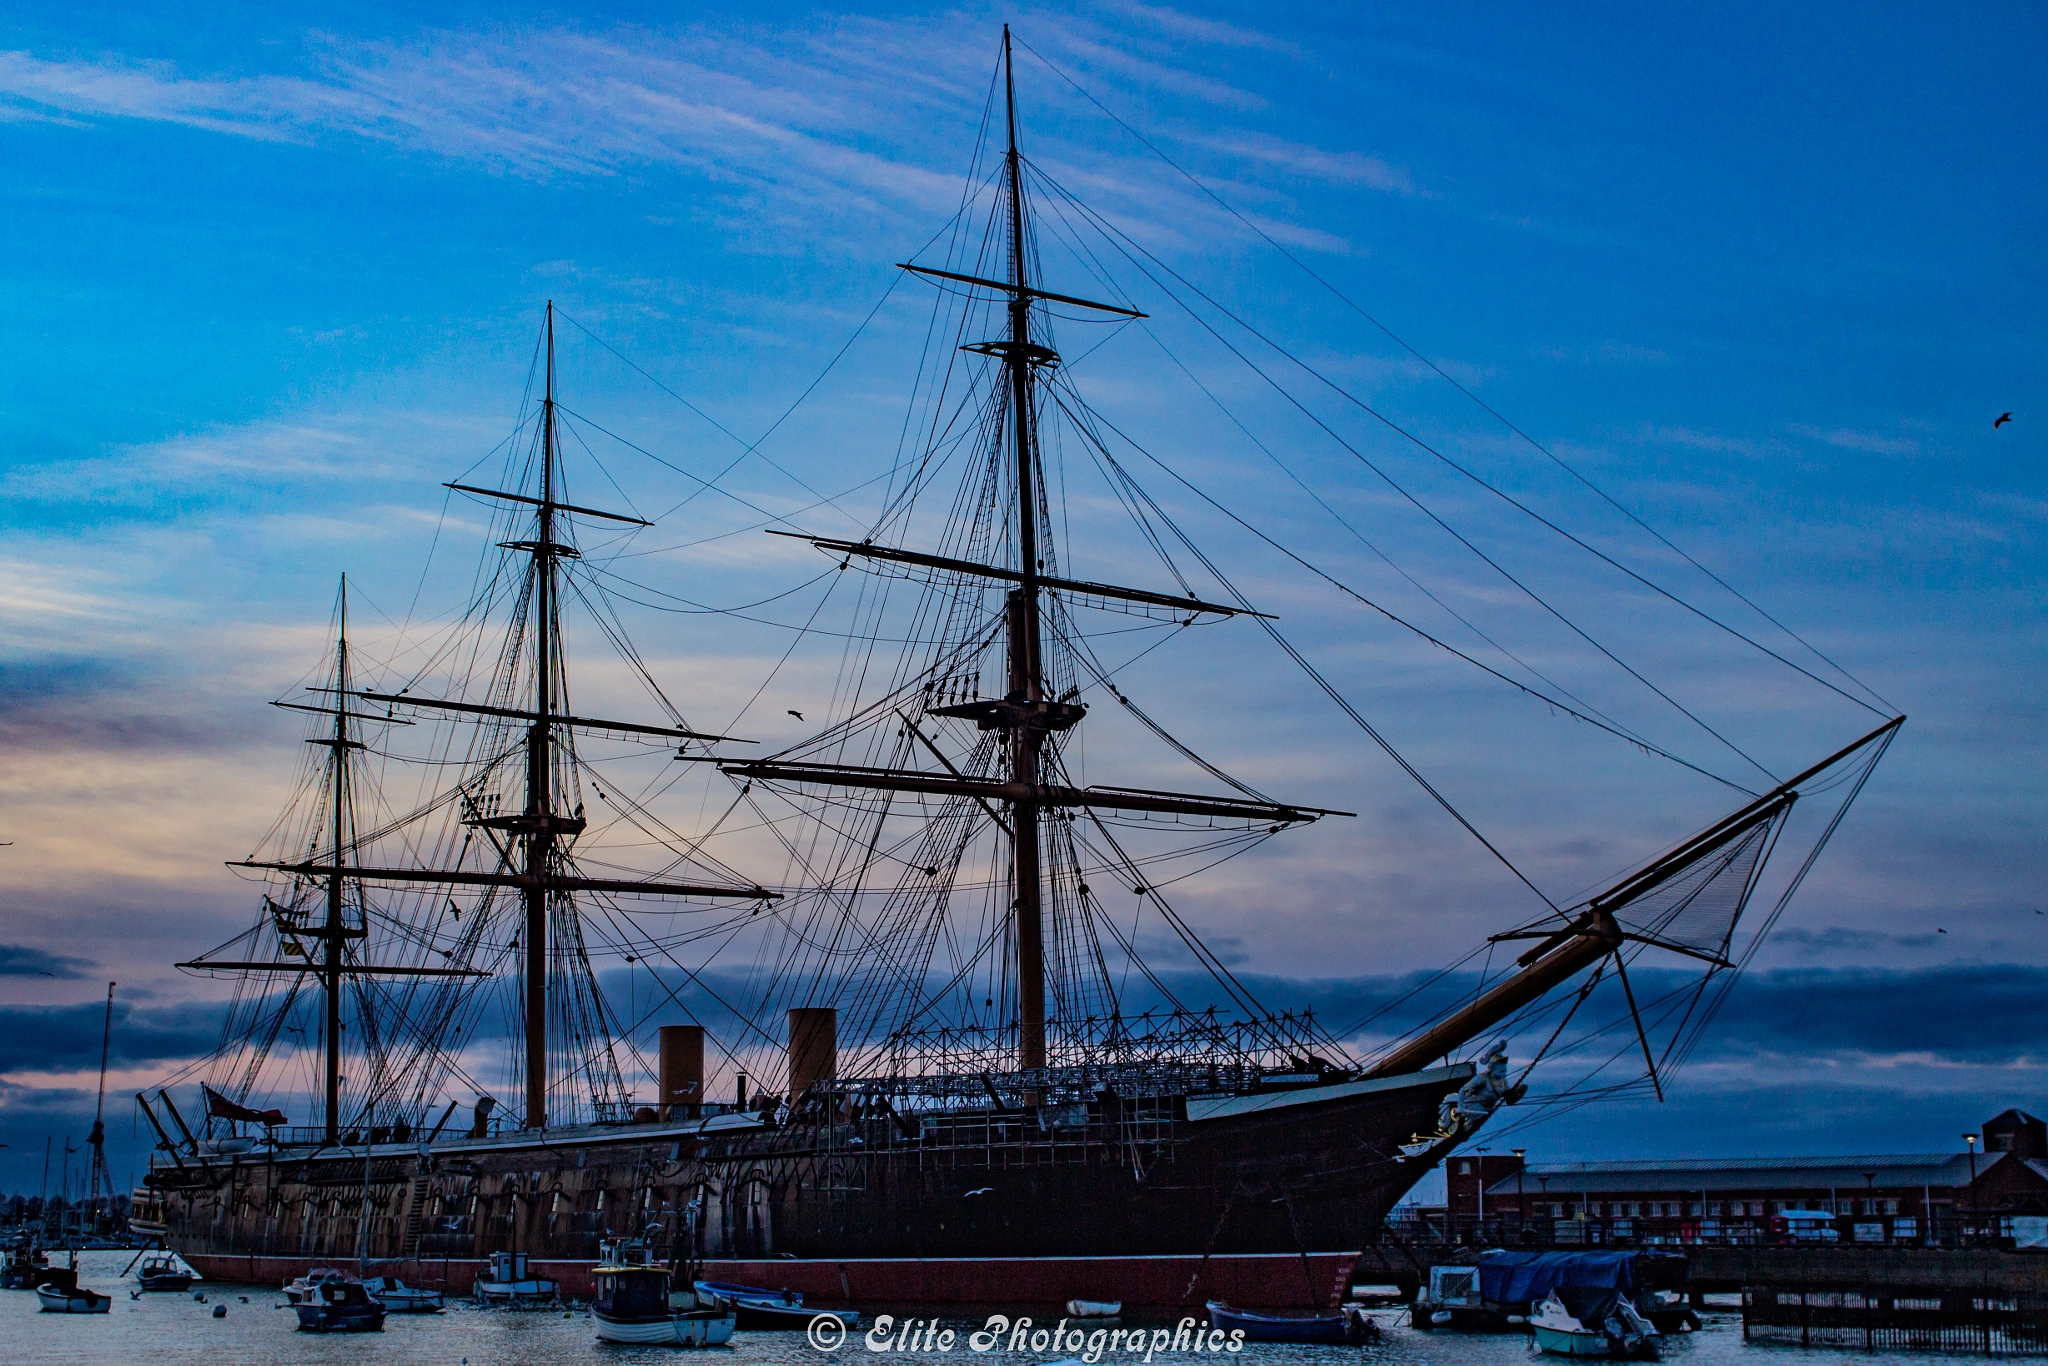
(1871, 1198)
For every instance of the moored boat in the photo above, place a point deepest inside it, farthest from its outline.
(17, 1270)
(1351, 1325)
(767, 1311)
(1500, 1293)
(400, 1298)
(1094, 1309)
(299, 1287)
(1575, 1321)
(164, 1272)
(340, 1306)
(511, 1283)
(61, 1293)
(635, 1304)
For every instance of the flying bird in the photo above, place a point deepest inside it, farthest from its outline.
(1939, 930)
(797, 714)
(985, 1190)
(2003, 418)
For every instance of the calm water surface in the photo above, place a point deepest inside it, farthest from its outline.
(173, 1330)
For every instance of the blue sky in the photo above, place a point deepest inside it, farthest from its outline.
(271, 275)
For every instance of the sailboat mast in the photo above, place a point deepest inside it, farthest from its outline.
(540, 831)
(330, 976)
(1027, 682)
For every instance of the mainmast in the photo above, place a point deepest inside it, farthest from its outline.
(1026, 715)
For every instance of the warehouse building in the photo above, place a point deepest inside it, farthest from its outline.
(1892, 1198)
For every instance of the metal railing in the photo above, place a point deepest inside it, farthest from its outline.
(1427, 1227)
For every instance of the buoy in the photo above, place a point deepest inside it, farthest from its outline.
(220, 1311)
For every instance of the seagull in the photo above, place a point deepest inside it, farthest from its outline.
(2003, 418)
(985, 1190)
(1939, 930)
(797, 714)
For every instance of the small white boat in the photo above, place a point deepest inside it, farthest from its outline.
(1094, 1309)
(59, 1298)
(634, 1304)
(400, 1298)
(509, 1282)
(1605, 1324)
(299, 1287)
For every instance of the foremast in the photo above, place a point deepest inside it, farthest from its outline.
(533, 846)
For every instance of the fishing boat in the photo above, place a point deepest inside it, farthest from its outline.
(510, 1283)
(961, 1050)
(339, 1305)
(164, 1272)
(60, 1293)
(1575, 1321)
(762, 1310)
(1351, 1325)
(400, 1298)
(636, 1303)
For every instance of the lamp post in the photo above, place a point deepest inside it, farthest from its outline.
(1971, 1141)
(1521, 1205)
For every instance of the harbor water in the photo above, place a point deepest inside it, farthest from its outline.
(177, 1330)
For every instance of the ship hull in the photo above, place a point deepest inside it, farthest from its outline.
(1311, 1170)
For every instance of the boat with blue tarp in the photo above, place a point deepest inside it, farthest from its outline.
(1501, 1292)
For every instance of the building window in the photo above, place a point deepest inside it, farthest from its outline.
(1465, 1168)
(1634, 1209)
(1713, 1209)
(1557, 1211)
(1696, 1209)
(1891, 1207)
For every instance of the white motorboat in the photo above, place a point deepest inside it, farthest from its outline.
(299, 1287)
(400, 1298)
(510, 1282)
(1579, 1322)
(1094, 1309)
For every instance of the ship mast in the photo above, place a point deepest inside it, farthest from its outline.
(542, 824)
(1025, 714)
(530, 845)
(331, 934)
(1027, 676)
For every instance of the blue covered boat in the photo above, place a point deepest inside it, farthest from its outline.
(1500, 1293)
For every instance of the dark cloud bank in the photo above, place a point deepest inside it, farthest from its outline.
(1813, 1054)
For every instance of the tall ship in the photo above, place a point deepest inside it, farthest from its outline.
(879, 1002)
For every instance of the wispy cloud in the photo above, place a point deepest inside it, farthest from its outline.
(786, 122)
(1850, 440)
(1316, 163)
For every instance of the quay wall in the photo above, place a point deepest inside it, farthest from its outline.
(1285, 1281)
